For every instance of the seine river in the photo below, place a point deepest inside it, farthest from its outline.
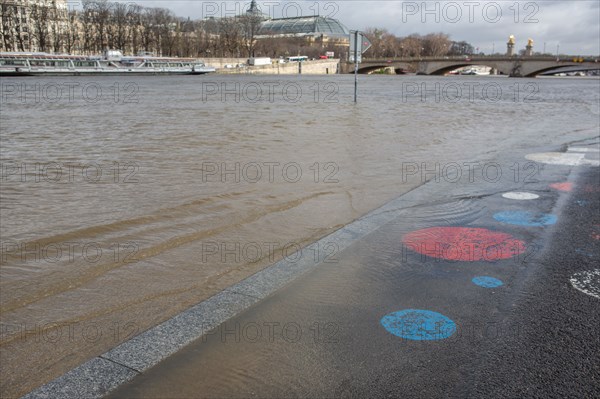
(127, 199)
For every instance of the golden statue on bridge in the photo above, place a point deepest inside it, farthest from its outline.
(529, 48)
(510, 46)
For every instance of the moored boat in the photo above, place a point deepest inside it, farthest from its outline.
(111, 63)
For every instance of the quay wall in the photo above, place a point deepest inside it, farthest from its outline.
(316, 67)
(220, 63)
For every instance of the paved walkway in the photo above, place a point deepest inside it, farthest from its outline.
(473, 285)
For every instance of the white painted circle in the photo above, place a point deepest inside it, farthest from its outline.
(592, 162)
(557, 158)
(583, 149)
(521, 196)
(587, 282)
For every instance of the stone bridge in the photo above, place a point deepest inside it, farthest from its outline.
(516, 66)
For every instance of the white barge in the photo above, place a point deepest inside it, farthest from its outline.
(111, 63)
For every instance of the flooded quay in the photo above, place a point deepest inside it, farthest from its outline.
(127, 200)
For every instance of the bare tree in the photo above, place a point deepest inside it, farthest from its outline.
(88, 27)
(133, 28)
(159, 23)
(170, 33)
(58, 23)
(461, 48)
(411, 46)
(120, 26)
(436, 44)
(135, 19)
(250, 24)
(375, 35)
(71, 37)
(146, 27)
(10, 25)
(40, 16)
(188, 43)
(230, 32)
(101, 10)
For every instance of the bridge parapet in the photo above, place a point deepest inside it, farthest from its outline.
(515, 66)
(562, 58)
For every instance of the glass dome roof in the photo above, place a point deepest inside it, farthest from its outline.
(303, 26)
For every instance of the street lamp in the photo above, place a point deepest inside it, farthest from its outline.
(557, 47)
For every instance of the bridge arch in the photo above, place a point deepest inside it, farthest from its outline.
(370, 68)
(399, 68)
(573, 67)
(510, 66)
(448, 68)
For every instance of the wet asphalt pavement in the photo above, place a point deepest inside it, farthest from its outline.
(557, 350)
(461, 294)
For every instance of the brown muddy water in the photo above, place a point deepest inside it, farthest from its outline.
(126, 200)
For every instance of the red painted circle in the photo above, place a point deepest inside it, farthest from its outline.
(562, 186)
(596, 232)
(467, 244)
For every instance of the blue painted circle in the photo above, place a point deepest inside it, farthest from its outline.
(418, 325)
(487, 282)
(525, 218)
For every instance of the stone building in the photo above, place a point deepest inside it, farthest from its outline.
(315, 29)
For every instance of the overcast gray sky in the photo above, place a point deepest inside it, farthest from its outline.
(573, 26)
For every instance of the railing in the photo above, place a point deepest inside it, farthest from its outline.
(561, 58)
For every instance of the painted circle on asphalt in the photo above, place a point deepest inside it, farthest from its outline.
(595, 232)
(418, 325)
(583, 149)
(525, 218)
(587, 282)
(487, 282)
(590, 188)
(468, 244)
(521, 196)
(557, 158)
(565, 186)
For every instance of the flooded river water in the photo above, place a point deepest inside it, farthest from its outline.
(125, 200)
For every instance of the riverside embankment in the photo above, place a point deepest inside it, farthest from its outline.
(316, 67)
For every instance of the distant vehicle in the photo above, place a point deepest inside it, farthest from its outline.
(256, 61)
(322, 57)
(297, 58)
